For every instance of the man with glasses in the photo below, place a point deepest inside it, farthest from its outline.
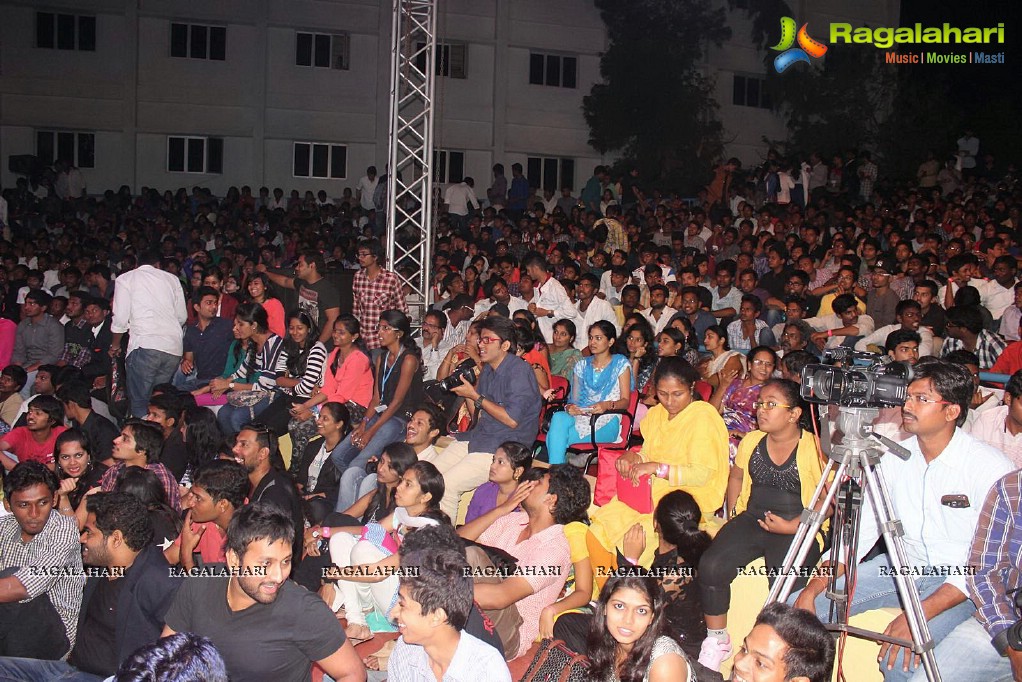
(374, 290)
(433, 344)
(937, 495)
(505, 403)
(964, 329)
(459, 311)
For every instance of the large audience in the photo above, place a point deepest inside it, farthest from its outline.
(567, 453)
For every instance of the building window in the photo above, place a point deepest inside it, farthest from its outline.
(550, 173)
(448, 166)
(324, 50)
(196, 41)
(195, 154)
(451, 59)
(553, 69)
(65, 31)
(750, 91)
(320, 160)
(77, 147)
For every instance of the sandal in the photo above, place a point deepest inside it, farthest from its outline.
(380, 658)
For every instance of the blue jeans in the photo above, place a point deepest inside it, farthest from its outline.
(146, 368)
(875, 591)
(232, 418)
(967, 655)
(186, 382)
(32, 670)
(563, 433)
(351, 462)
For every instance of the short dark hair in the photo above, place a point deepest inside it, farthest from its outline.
(76, 392)
(754, 301)
(169, 403)
(179, 657)
(49, 405)
(440, 581)
(259, 521)
(796, 360)
(435, 416)
(204, 291)
(844, 302)
(17, 373)
(39, 296)
(965, 316)
(810, 651)
(264, 437)
(224, 479)
(503, 328)
(905, 305)
(27, 474)
(952, 381)
(1014, 385)
(123, 512)
(313, 257)
(929, 284)
(573, 494)
(900, 336)
(148, 438)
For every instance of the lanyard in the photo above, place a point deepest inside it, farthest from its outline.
(386, 373)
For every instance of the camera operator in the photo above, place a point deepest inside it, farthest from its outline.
(505, 405)
(936, 494)
(987, 647)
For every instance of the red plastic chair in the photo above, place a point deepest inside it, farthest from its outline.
(561, 390)
(623, 437)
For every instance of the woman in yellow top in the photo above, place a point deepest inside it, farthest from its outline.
(685, 448)
(775, 475)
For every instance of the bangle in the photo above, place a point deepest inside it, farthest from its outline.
(830, 333)
(325, 531)
(662, 470)
(633, 562)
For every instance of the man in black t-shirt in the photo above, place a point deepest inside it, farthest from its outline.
(265, 626)
(316, 296)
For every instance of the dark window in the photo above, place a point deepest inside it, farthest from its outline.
(215, 155)
(196, 155)
(455, 166)
(752, 92)
(439, 166)
(176, 154)
(66, 31)
(303, 49)
(320, 160)
(322, 54)
(338, 161)
(302, 153)
(44, 147)
(570, 76)
(218, 43)
(567, 173)
(738, 91)
(534, 170)
(198, 47)
(553, 70)
(179, 40)
(86, 150)
(45, 27)
(537, 66)
(87, 34)
(66, 146)
(550, 173)
(450, 59)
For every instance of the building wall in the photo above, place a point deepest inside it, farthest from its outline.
(132, 94)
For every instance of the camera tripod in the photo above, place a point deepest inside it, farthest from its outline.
(856, 458)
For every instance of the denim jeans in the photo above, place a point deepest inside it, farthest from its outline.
(351, 462)
(186, 382)
(232, 418)
(146, 368)
(33, 670)
(967, 655)
(875, 591)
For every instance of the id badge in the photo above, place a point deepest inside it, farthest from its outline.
(380, 409)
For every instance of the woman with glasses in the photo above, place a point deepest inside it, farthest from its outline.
(76, 471)
(601, 383)
(397, 389)
(735, 395)
(775, 476)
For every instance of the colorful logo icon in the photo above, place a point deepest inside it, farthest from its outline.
(807, 47)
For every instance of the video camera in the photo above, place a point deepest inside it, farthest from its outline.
(880, 383)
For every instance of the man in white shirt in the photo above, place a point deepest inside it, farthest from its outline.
(366, 188)
(658, 313)
(460, 199)
(937, 494)
(551, 302)
(1012, 316)
(500, 298)
(1001, 427)
(909, 316)
(831, 330)
(150, 304)
(727, 299)
(1001, 289)
(433, 344)
(590, 309)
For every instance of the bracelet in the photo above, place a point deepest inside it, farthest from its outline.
(633, 562)
(830, 333)
(662, 470)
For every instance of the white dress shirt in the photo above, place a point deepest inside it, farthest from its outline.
(150, 303)
(879, 338)
(514, 304)
(1010, 321)
(981, 285)
(661, 324)
(598, 310)
(935, 533)
(999, 299)
(990, 428)
(823, 323)
(552, 296)
(432, 357)
(458, 197)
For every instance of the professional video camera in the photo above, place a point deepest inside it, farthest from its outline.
(880, 383)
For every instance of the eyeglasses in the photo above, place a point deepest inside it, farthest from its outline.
(364, 254)
(384, 328)
(925, 399)
(769, 405)
(487, 340)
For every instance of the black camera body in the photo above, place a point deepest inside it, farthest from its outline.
(881, 383)
(1014, 631)
(467, 369)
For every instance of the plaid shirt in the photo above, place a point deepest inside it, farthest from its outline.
(997, 555)
(56, 550)
(989, 347)
(374, 296)
(75, 353)
(109, 481)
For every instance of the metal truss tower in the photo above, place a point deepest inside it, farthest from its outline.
(410, 167)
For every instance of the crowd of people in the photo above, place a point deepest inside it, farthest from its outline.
(432, 476)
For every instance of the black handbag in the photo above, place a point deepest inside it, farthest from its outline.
(555, 662)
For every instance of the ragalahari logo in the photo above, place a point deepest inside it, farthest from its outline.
(807, 47)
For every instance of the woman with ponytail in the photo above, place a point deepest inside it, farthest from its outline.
(775, 475)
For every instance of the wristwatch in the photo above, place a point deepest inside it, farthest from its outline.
(479, 402)
(231, 385)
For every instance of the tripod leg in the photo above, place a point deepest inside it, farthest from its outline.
(808, 527)
(892, 531)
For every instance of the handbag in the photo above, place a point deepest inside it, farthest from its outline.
(555, 662)
(247, 399)
(606, 475)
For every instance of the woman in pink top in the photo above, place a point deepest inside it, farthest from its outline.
(259, 292)
(347, 377)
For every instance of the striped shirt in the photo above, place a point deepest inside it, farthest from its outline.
(50, 563)
(313, 374)
(997, 555)
(267, 360)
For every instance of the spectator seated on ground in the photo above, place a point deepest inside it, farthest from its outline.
(78, 409)
(34, 442)
(207, 339)
(139, 445)
(220, 488)
(40, 338)
(12, 379)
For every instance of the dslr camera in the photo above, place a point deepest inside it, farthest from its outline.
(467, 369)
(877, 382)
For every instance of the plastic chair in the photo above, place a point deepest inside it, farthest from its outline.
(561, 390)
(623, 438)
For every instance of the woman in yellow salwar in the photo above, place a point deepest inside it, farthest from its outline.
(684, 448)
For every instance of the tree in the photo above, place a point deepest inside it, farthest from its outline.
(654, 108)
